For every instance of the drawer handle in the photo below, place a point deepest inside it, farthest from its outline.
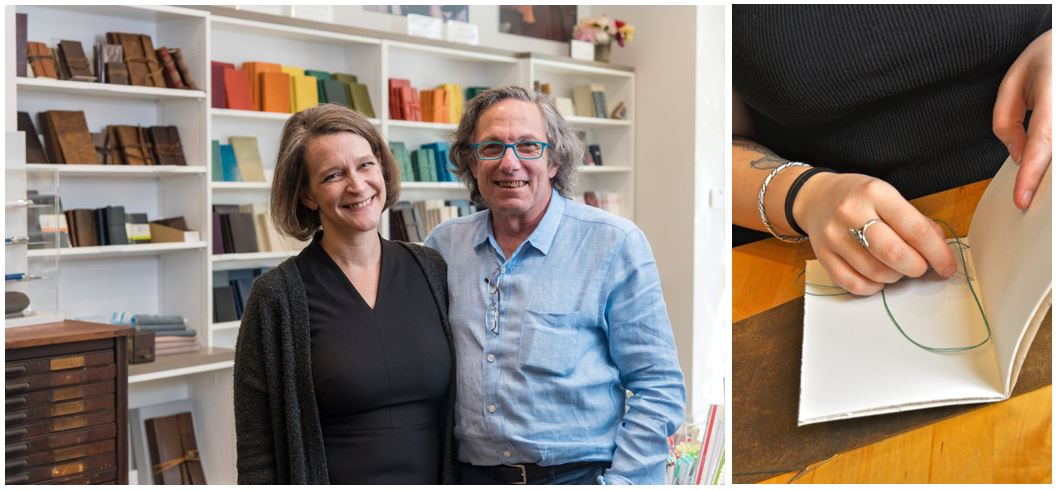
(15, 370)
(17, 388)
(17, 479)
(15, 465)
(18, 400)
(16, 433)
(15, 448)
(15, 417)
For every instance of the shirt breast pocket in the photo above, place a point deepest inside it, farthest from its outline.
(551, 343)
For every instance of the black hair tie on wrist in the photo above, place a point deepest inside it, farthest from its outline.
(792, 193)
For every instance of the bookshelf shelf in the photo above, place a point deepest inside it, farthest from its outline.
(574, 68)
(227, 262)
(263, 116)
(225, 326)
(603, 169)
(240, 186)
(399, 123)
(598, 122)
(105, 89)
(177, 365)
(116, 251)
(287, 31)
(131, 171)
(452, 53)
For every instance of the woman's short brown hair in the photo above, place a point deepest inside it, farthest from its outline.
(290, 179)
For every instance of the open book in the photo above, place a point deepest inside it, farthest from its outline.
(856, 362)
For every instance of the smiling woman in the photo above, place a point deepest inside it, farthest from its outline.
(350, 337)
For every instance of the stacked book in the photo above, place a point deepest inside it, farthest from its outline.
(271, 87)
(441, 104)
(68, 140)
(124, 59)
(171, 334)
(246, 228)
(413, 221)
(237, 161)
(108, 225)
(430, 163)
(230, 298)
(590, 100)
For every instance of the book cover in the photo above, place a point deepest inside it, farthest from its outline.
(217, 87)
(248, 158)
(116, 234)
(275, 92)
(305, 92)
(237, 90)
(229, 164)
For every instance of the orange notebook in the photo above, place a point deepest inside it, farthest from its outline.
(275, 92)
(255, 69)
(426, 98)
(237, 89)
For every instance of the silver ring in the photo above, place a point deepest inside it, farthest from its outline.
(860, 234)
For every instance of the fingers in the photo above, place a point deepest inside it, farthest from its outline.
(844, 276)
(1038, 151)
(1009, 112)
(891, 251)
(919, 232)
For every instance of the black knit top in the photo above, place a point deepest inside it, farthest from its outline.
(904, 93)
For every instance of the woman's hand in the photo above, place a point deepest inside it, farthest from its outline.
(1027, 87)
(902, 243)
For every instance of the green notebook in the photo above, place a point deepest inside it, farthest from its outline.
(217, 174)
(362, 100)
(320, 77)
(334, 92)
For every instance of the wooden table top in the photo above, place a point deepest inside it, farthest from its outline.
(64, 331)
(1004, 442)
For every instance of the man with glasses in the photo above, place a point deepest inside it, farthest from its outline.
(556, 310)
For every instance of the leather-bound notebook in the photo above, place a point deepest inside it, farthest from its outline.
(275, 92)
(255, 69)
(115, 222)
(115, 155)
(110, 61)
(41, 60)
(72, 138)
(165, 140)
(362, 100)
(183, 68)
(766, 360)
(82, 224)
(60, 63)
(99, 140)
(218, 98)
(134, 145)
(224, 304)
(140, 58)
(73, 56)
(237, 90)
(169, 69)
(174, 451)
(248, 158)
(20, 45)
(34, 148)
(335, 92)
(102, 226)
(305, 92)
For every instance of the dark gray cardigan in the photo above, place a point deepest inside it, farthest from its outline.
(277, 422)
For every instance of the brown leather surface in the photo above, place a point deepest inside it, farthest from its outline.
(169, 69)
(73, 57)
(766, 362)
(72, 138)
(165, 140)
(185, 70)
(132, 141)
(41, 60)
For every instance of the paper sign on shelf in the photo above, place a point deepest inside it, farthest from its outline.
(424, 26)
(461, 32)
(580, 50)
(319, 13)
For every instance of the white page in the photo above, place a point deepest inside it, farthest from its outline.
(855, 362)
(1013, 254)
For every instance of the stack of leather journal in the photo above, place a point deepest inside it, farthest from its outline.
(174, 452)
(68, 140)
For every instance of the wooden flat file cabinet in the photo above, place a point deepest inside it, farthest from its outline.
(66, 406)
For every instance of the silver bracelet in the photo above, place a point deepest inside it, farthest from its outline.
(761, 204)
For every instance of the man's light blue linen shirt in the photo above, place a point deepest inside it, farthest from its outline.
(581, 319)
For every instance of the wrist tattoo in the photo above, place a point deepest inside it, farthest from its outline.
(765, 158)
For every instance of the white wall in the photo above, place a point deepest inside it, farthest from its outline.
(679, 152)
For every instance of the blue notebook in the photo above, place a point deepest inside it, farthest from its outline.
(229, 165)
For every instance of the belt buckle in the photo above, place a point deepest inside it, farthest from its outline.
(521, 468)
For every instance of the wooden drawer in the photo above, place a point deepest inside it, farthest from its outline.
(64, 469)
(26, 384)
(108, 476)
(41, 458)
(60, 440)
(59, 394)
(19, 418)
(14, 369)
(57, 425)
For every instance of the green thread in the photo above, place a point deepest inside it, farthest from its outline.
(940, 350)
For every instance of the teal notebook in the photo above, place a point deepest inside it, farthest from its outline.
(217, 169)
(334, 92)
(229, 164)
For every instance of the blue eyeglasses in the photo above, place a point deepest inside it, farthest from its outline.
(524, 150)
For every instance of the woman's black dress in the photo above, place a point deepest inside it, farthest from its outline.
(381, 375)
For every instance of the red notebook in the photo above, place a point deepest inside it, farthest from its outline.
(217, 97)
(237, 89)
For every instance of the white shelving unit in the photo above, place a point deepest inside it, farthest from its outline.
(178, 278)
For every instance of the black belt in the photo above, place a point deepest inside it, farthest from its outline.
(519, 474)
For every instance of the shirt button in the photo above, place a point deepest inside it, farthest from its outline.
(491, 408)
(490, 358)
(507, 454)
